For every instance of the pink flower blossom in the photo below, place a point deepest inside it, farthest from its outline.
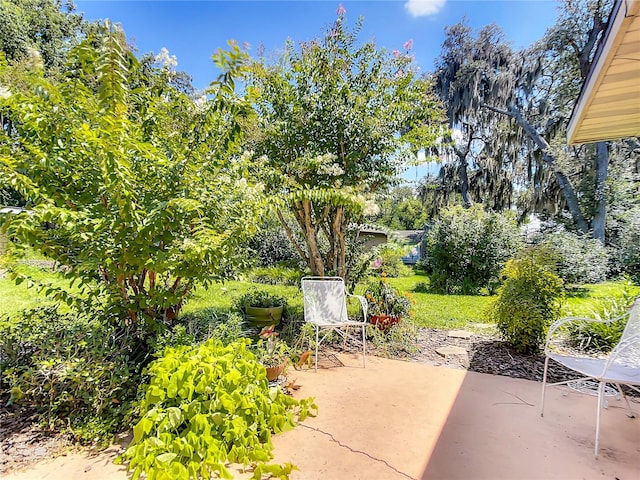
(341, 10)
(377, 263)
(396, 53)
(408, 45)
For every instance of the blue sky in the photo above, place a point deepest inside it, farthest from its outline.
(193, 30)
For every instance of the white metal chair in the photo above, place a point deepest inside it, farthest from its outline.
(620, 367)
(325, 307)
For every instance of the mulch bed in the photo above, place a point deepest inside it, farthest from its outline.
(485, 354)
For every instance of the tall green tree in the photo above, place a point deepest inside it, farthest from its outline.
(46, 28)
(139, 182)
(534, 89)
(337, 121)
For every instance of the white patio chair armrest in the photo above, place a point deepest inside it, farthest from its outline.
(363, 304)
(568, 320)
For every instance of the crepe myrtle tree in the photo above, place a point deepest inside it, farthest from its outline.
(140, 182)
(336, 121)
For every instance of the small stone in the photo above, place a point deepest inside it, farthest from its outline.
(40, 452)
(460, 334)
(449, 350)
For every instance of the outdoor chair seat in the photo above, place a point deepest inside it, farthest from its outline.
(620, 367)
(325, 307)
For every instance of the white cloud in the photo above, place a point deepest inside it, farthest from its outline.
(424, 8)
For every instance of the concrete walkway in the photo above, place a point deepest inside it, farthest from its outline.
(399, 420)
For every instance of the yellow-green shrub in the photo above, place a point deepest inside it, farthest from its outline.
(527, 302)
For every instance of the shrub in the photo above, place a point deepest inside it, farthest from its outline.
(272, 246)
(203, 325)
(77, 372)
(400, 339)
(389, 261)
(206, 406)
(467, 248)
(259, 298)
(275, 275)
(578, 259)
(527, 303)
(629, 246)
(602, 337)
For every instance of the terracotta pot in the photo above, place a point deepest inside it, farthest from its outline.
(274, 372)
(264, 317)
(384, 322)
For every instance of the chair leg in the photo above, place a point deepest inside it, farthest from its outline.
(317, 341)
(364, 347)
(626, 399)
(544, 385)
(600, 398)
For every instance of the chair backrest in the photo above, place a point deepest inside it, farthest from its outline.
(325, 301)
(629, 345)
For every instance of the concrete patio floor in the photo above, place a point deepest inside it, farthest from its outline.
(400, 420)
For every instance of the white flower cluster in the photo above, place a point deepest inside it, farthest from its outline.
(4, 92)
(168, 61)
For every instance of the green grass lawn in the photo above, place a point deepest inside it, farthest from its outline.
(430, 310)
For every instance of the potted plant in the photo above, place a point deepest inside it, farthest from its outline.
(386, 304)
(272, 353)
(261, 308)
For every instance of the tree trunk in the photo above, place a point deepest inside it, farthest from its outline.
(464, 184)
(463, 171)
(310, 233)
(563, 181)
(600, 195)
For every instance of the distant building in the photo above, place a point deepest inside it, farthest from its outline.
(414, 239)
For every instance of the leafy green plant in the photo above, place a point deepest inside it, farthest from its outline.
(628, 252)
(206, 406)
(270, 351)
(527, 302)
(399, 340)
(275, 275)
(77, 372)
(203, 325)
(578, 259)
(602, 337)
(136, 180)
(467, 248)
(259, 298)
(389, 260)
(383, 299)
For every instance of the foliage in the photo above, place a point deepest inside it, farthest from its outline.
(613, 312)
(467, 248)
(78, 372)
(579, 259)
(527, 302)
(401, 210)
(336, 121)
(275, 275)
(197, 327)
(43, 28)
(512, 108)
(272, 246)
(629, 245)
(399, 340)
(383, 299)
(389, 260)
(259, 298)
(136, 179)
(270, 351)
(207, 406)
